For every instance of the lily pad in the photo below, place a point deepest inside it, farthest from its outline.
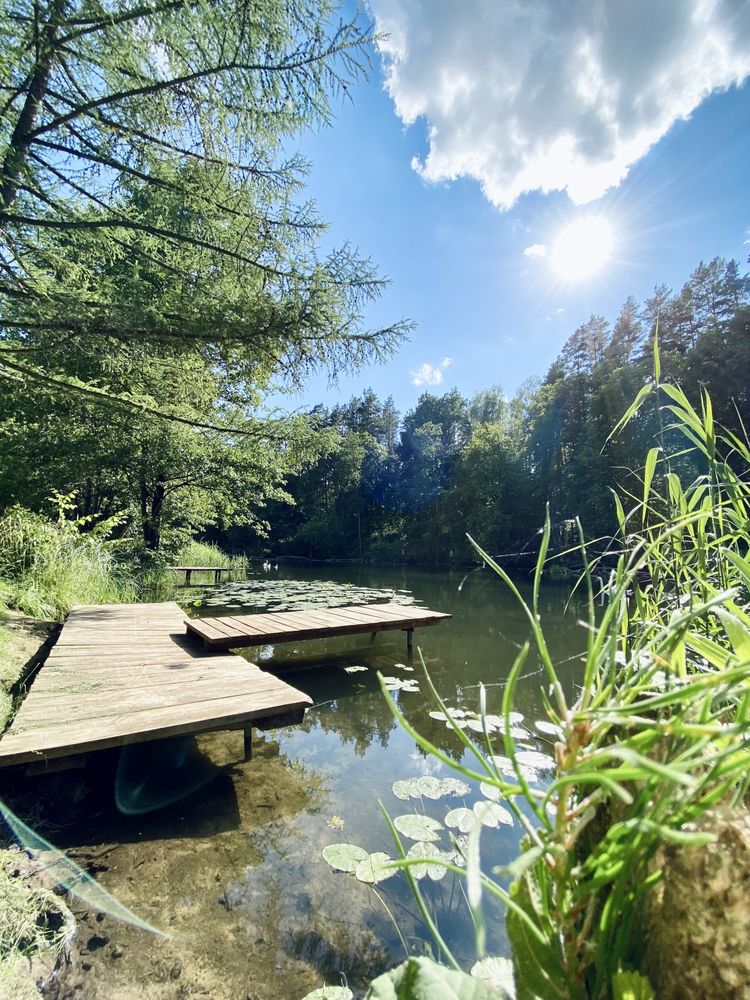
(406, 788)
(533, 758)
(461, 819)
(330, 993)
(489, 791)
(344, 857)
(372, 868)
(430, 786)
(491, 814)
(424, 850)
(417, 827)
(548, 728)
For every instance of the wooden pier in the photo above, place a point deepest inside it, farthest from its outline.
(236, 631)
(127, 673)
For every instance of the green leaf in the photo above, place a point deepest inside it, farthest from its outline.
(498, 972)
(344, 857)
(648, 476)
(630, 412)
(424, 850)
(538, 967)
(631, 986)
(373, 868)
(417, 827)
(424, 979)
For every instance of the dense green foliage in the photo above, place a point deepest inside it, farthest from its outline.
(392, 489)
(158, 270)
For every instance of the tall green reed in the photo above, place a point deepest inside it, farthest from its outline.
(48, 566)
(655, 734)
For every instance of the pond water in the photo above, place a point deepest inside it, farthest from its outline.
(233, 872)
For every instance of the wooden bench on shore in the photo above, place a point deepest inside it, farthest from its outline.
(216, 570)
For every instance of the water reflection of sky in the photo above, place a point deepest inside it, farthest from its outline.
(352, 742)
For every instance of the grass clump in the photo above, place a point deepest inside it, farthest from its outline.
(34, 923)
(48, 566)
(195, 553)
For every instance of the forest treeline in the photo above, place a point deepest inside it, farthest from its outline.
(393, 488)
(360, 480)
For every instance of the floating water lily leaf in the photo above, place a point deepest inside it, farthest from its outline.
(436, 714)
(330, 993)
(430, 786)
(461, 819)
(399, 684)
(422, 849)
(491, 814)
(354, 669)
(548, 728)
(423, 977)
(453, 786)
(505, 766)
(533, 758)
(372, 868)
(344, 857)
(406, 788)
(498, 972)
(418, 827)
(489, 791)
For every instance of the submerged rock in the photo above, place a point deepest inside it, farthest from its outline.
(698, 933)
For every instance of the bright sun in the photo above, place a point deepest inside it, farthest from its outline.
(582, 248)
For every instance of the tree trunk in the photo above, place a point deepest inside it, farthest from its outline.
(46, 38)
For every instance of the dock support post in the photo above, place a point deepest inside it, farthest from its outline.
(248, 742)
(373, 636)
(410, 641)
(217, 577)
(188, 575)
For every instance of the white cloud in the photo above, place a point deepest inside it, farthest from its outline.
(428, 374)
(554, 94)
(446, 362)
(535, 250)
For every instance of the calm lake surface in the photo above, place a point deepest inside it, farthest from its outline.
(233, 872)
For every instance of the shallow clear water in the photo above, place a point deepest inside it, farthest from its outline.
(234, 870)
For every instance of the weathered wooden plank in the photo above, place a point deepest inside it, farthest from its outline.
(129, 673)
(257, 630)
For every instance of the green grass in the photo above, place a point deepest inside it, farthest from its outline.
(206, 554)
(46, 567)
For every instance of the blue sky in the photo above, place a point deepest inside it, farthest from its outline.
(454, 249)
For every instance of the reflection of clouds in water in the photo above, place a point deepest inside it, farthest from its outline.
(426, 765)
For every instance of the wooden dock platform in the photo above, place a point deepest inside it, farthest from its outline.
(236, 631)
(127, 673)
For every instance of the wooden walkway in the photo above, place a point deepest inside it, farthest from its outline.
(258, 630)
(127, 673)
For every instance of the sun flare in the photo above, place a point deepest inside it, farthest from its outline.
(582, 248)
